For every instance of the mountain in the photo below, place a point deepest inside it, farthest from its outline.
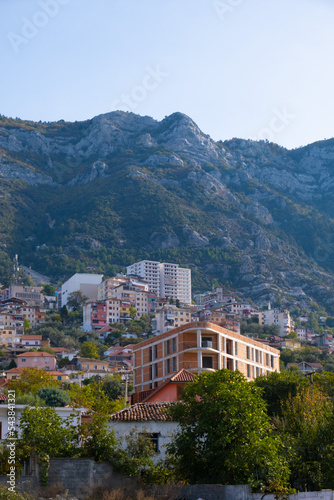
(100, 194)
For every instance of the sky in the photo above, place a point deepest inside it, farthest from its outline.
(254, 69)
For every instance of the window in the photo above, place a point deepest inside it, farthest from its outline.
(168, 347)
(272, 361)
(207, 362)
(236, 350)
(256, 355)
(248, 371)
(155, 370)
(174, 364)
(150, 353)
(155, 351)
(174, 344)
(168, 365)
(267, 359)
(35, 360)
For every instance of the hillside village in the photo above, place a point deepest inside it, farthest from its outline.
(130, 344)
(148, 303)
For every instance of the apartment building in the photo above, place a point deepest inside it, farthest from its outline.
(280, 318)
(200, 347)
(165, 279)
(170, 317)
(32, 295)
(86, 283)
(106, 289)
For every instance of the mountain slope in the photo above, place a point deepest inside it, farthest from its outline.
(100, 194)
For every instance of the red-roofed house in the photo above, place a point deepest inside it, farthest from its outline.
(31, 341)
(171, 390)
(36, 359)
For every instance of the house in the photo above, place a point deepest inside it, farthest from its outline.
(151, 419)
(63, 412)
(64, 352)
(171, 390)
(200, 347)
(306, 367)
(31, 341)
(57, 375)
(290, 344)
(87, 364)
(14, 373)
(42, 360)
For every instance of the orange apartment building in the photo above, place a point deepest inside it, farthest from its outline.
(200, 347)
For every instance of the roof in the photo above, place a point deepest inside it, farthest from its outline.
(3, 397)
(35, 354)
(86, 360)
(60, 349)
(31, 337)
(182, 376)
(56, 372)
(16, 370)
(144, 412)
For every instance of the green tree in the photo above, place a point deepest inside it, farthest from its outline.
(89, 350)
(76, 300)
(278, 387)
(26, 325)
(32, 380)
(54, 396)
(132, 312)
(225, 435)
(113, 386)
(307, 427)
(48, 290)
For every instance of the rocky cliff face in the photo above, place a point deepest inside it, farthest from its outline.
(250, 214)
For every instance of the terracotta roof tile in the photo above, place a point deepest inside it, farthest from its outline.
(182, 376)
(35, 354)
(144, 412)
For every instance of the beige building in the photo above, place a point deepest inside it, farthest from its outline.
(280, 318)
(200, 347)
(170, 317)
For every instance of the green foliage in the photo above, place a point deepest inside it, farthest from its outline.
(98, 440)
(29, 399)
(225, 435)
(5, 494)
(48, 290)
(307, 428)
(89, 350)
(26, 325)
(31, 381)
(278, 387)
(54, 397)
(136, 458)
(76, 300)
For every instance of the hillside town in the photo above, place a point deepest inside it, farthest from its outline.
(133, 343)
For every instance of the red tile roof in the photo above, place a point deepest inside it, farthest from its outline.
(183, 376)
(35, 354)
(144, 412)
(31, 337)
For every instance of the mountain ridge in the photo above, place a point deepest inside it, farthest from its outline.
(103, 193)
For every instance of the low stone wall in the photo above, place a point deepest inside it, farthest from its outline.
(81, 476)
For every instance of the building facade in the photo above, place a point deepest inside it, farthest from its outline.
(86, 283)
(165, 279)
(200, 347)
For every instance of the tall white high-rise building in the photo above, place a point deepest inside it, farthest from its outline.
(165, 279)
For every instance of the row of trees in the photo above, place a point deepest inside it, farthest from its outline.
(276, 433)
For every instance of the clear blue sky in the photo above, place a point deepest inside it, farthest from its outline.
(239, 68)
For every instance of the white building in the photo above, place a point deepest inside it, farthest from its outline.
(86, 283)
(170, 317)
(280, 318)
(165, 279)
